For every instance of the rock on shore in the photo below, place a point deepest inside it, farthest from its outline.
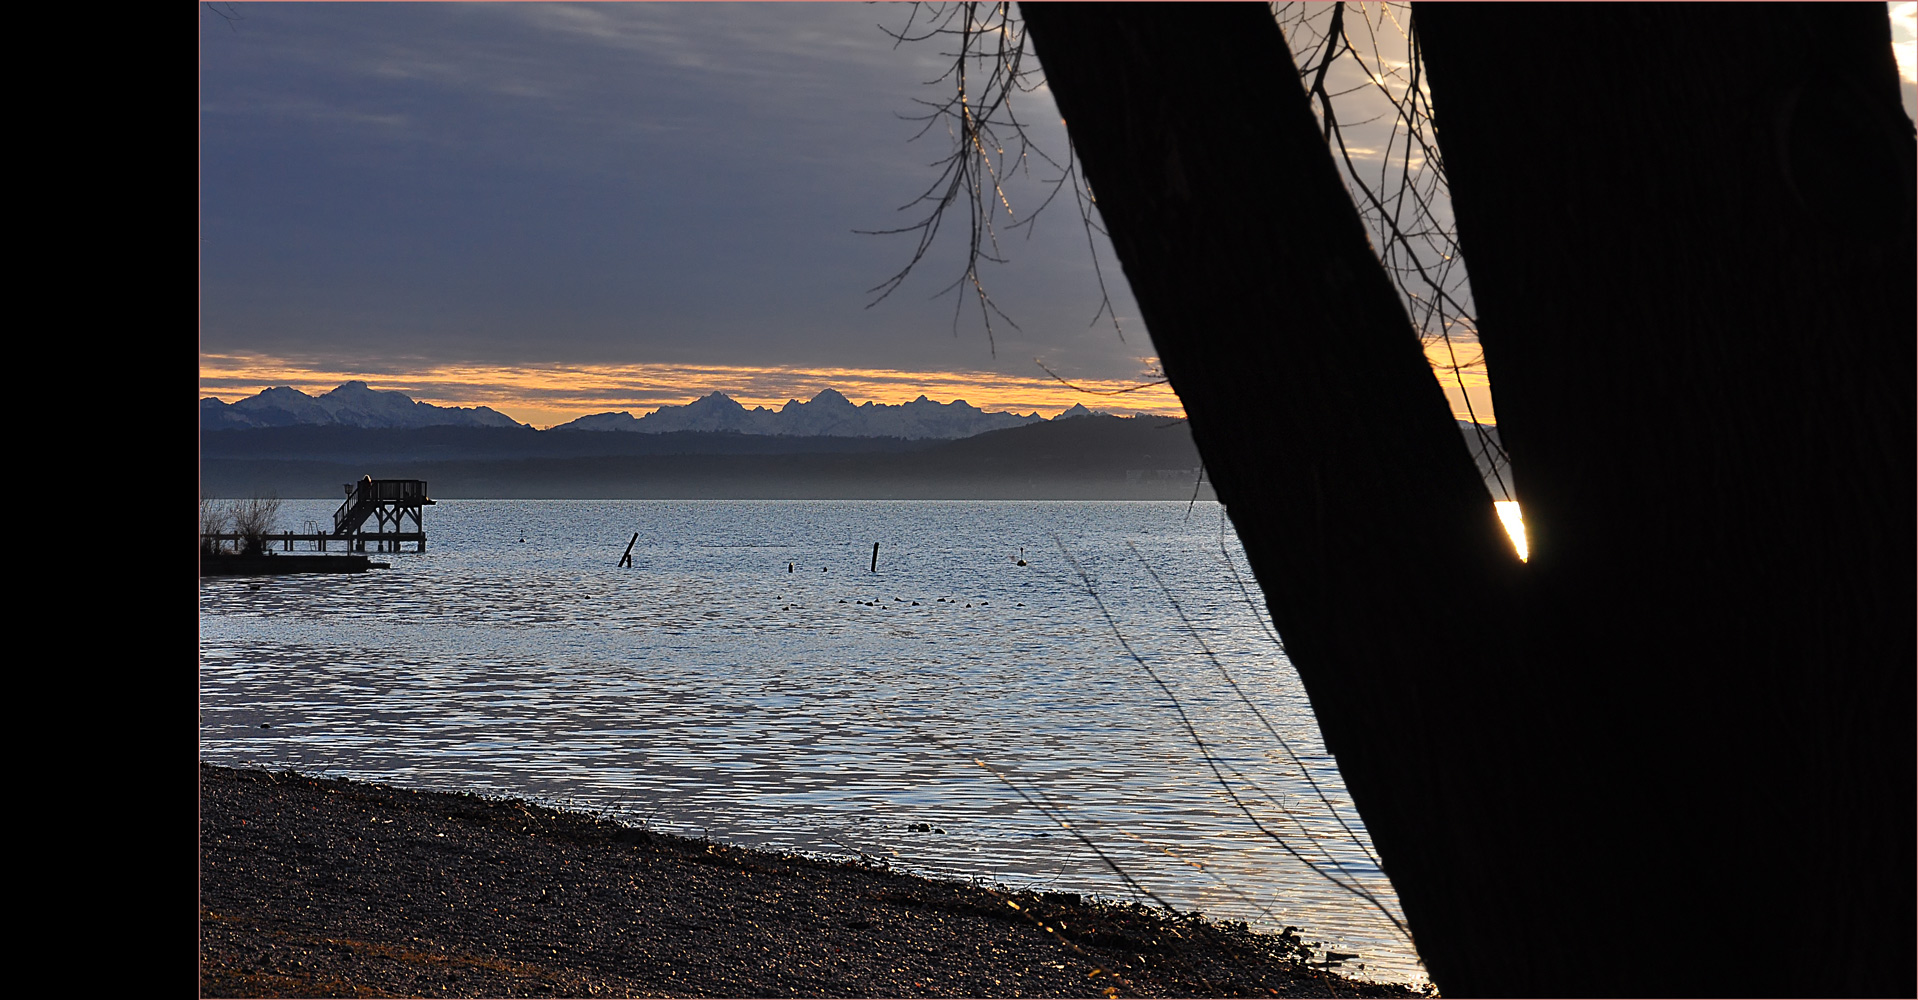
(318, 887)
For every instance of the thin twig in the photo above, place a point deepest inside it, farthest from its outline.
(1205, 752)
(1213, 658)
(987, 70)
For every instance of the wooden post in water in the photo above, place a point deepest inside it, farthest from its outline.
(875, 558)
(627, 559)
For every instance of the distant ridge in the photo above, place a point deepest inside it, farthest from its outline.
(1082, 458)
(827, 414)
(1076, 457)
(353, 404)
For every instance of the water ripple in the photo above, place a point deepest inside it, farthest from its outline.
(711, 689)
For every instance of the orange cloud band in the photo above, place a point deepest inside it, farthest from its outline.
(1460, 369)
(544, 395)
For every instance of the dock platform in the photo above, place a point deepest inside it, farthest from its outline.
(390, 503)
(359, 541)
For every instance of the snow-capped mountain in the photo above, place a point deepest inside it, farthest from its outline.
(827, 414)
(353, 405)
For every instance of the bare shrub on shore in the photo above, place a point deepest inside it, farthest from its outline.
(252, 517)
(213, 521)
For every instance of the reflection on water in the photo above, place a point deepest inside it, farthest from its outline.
(749, 679)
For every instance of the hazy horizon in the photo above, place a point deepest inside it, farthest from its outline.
(1089, 402)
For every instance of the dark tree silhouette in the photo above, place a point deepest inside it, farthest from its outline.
(1674, 752)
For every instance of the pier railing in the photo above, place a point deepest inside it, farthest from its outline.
(316, 541)
(367, 495)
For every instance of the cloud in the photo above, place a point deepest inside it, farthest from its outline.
(1904, 39)
(314, 112)
(601, 184)
(1904, 45)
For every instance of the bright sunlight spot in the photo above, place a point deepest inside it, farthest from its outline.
(1514, 526)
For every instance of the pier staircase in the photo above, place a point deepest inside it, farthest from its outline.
(390, 502)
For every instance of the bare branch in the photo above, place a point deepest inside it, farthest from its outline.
(989, 144)
(1415, 244)
(231, 14)
(1400, 201)
(1097, 392)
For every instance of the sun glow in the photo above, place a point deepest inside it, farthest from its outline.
(1459, 367)
(1514, 526)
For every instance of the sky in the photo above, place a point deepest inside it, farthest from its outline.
(1904, 44)
(558, 209)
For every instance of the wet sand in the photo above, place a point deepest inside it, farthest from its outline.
(319, 887)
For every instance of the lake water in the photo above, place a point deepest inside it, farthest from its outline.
(954, 713)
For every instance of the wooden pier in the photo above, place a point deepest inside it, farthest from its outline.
(390, 502)
(359, 541)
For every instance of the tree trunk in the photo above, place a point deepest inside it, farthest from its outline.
(1321, 426)
(1566, 766)
(1694, 268)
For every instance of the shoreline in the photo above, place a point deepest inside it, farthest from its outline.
(325, 887)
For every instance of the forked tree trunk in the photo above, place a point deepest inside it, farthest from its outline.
(1321, 427)
(1693, 259)
(1674, 752)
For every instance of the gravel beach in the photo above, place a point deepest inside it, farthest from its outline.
(320, 887)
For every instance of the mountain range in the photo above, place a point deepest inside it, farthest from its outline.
(353, 404)
(827, 414)
(1093, 457)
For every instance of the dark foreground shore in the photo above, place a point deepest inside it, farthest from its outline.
(318, 888)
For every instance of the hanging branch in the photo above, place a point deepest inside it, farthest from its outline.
(990, 144)
(1213, 764)
(1400, 203)
(1096, 392)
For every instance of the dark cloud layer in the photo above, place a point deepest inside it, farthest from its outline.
(614, 184)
